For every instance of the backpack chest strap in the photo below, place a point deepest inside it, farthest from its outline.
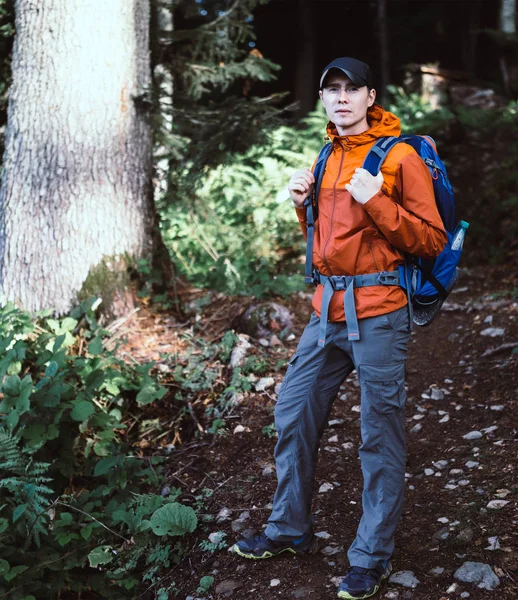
(347, 283)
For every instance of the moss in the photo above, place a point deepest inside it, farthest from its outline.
(112, 281)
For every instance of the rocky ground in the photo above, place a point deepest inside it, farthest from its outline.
(458, 537)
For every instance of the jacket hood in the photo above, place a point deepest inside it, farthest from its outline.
(382, 124)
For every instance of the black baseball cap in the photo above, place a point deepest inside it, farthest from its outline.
(357, 71)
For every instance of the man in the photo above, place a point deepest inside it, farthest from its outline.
(365, 224)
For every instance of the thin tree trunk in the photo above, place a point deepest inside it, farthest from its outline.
(76, 196)
(508, 26)
(306, 59)
(384, 50)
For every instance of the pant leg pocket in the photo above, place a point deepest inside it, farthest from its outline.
(382, 387)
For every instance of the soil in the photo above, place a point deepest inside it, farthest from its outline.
(227, 469)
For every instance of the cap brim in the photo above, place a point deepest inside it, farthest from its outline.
(352, 76)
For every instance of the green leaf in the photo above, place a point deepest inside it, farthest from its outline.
(18, 512)
(4, 524)
(68, 324)
(4, 567)
(105, 465)
(51, 369)
(14, 368)
(58, 343)
(12, 419)
(12, 385)
(82, 410)
(150, 393)
(95, 347)
(173, 519)
(205, 584)
(102, 555)
(86, 532)
(95, 379)
(15, 571)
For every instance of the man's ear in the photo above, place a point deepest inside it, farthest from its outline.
(320, 95)
(372, 97)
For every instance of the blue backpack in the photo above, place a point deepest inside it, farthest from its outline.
(426, 281)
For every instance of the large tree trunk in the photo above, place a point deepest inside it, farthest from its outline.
(306, 59)
(76, 199)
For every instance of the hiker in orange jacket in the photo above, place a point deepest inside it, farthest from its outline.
(364, 226)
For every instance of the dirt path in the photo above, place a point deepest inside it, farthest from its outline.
(452, 390)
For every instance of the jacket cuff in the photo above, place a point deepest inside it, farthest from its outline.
(375, 205)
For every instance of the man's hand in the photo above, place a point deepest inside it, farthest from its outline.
(363, 186)
(300, 186)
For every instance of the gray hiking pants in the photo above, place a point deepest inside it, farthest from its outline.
(310, 386)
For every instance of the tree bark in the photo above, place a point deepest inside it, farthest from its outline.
(76, 198)
(508, 16)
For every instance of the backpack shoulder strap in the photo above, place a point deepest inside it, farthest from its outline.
(311, 204)
(378, 153)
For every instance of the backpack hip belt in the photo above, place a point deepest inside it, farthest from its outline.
(347, 283)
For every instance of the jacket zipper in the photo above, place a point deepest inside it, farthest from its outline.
(333, 213)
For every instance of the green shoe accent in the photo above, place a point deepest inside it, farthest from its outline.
(349, 597)
(236, 550)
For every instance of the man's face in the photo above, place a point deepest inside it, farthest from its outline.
(346, 104)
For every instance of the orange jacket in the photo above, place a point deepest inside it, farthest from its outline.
(354, 239)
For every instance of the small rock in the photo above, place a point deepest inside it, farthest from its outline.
(416, 428)
(493, 332)
(277, 388)
(479, 573)
(453, 588)
(268, 471)
(166, 490)
(216, 537)
(331, 550)
(392, 595)
(442, 534)
(497, 504)
(502, 493)
(303, 592)
(263, 342)
(436, 571)
(275, 582)
(237, 357)
(336, 422)
(450, 486)
(445, 419)
(440, 464)
(488, 319)
(471, 464)
(429, 472)
(436, 394)
(494, 543)
(454, 472)
(465, 536)
(264, 383)
(473, 435)
(489, 429)
(291, 337)
(333, 439)
(323, 535)
(228, 587)
(443, 520)
(356, 408)
(223, 515)
(465, 595)
(336, 581)
(348, 446)
(405, 578)
(239, 429)
(497, 407)
(325, 487)
(463, 482)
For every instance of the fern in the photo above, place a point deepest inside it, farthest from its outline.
(25, 481)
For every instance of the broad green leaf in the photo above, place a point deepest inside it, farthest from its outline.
(57, 344)
(86, 532)
(51, 369)
(95, 347)
(82, 410)
(12, 385)
(4, 567)
(105, 465)
(68, 324)
(102, 555)
(4, 524)
(150, 393)
(14, 368)
(15, 571)
(173, 519)
(101, 448)
(12, 419)
(95, 379)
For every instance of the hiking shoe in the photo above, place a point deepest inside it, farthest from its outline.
(360, 583)
(261, 546)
